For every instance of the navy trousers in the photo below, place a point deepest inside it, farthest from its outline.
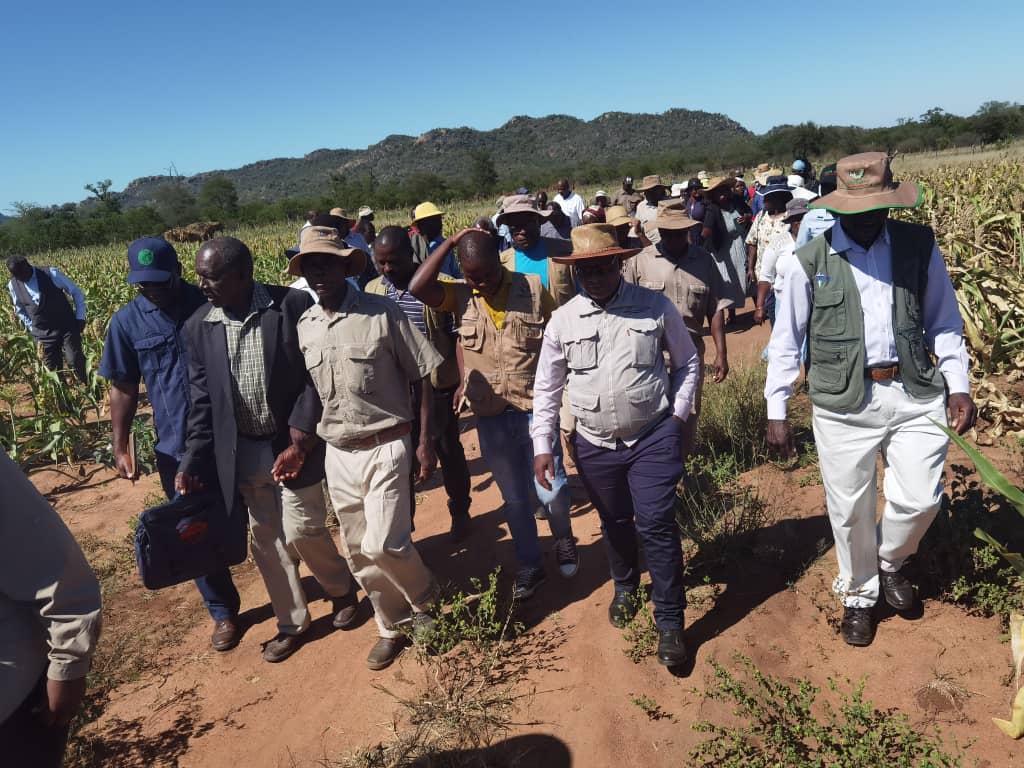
(634, 491)
(218, 589)
(25, 740)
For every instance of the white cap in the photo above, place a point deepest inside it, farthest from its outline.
(795, 180)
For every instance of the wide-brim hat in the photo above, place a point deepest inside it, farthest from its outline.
(594, 241)
(718, 181)
(341, 213)
(426, 211)
(326, 240)
(650, 182)
(519, 204)
(674, 217)
(775, 185)
(617, 215)
(865, 183)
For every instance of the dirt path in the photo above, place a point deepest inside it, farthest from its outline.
(194, 707)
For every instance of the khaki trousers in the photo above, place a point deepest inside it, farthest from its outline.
(286, 525)
(369, 489)
(913, 453)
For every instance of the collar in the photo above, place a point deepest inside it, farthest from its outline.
(621, 298)
(261, 300)
(841, 242)
(349, 305)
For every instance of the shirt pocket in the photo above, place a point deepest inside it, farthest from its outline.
(696, 300)
(320, 372)
(830, 308)
(156, 356)
(642, 334)
(360, 361)
(581, 352)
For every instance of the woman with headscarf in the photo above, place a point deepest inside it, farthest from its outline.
(726, 219)
(768, 223)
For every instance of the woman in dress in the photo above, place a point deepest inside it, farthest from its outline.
(726, 220)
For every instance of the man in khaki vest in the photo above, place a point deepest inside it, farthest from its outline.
(688, 276)
(887, 358)
(363, 356)
(501, 316)
(393, 254)
(607, 347)
(530, 253)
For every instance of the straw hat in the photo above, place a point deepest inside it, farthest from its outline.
(650, 182)
(594, 241)
(617, 215)
(426, 211)
(865, 183)
(718, 181)
(341, 213)
(519, 204)
(326, 240)
(675, 218)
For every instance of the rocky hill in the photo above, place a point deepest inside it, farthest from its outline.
(522, 145)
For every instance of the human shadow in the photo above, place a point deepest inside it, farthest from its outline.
(532, 749)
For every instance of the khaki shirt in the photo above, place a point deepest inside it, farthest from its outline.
(694, 285)
(647, 215)
(362, 360)
(628, 200)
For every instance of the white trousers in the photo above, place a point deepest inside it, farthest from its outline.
(369, 489)
(913, 454)
(287, 525)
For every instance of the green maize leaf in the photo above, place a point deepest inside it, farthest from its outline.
(1015, 559)
(990, 476)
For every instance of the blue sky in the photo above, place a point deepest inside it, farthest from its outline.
(124, 89)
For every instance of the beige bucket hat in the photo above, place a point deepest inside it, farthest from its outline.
(519, 204)
(672, 217)
(326, 240)
(594, 241)
(864, 183)
(617, 215)
(650, 182)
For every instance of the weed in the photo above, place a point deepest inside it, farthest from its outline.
(651, 708)
(641, 633)
(733, 418)
(780, 725)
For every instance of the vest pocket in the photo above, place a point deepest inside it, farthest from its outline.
(360, 367)
(480, 393)
(470, 337)
(644, 402)
(829, 371)
(529, 333)
(584, 406)
(913, 339)
(644, 342)
(829, 313)
(581, 354)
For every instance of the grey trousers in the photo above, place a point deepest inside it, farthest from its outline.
(61, 346)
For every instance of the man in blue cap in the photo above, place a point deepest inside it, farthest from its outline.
(144, 342)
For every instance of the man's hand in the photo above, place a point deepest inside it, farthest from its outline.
(81, 326)
(64, 697)
(961, 412)
(124, 466)
(780, 438)
(759, 315)
(288, 464)
(544, 465)
(427, 459)
(184, 483)
(719, 369)
(457, 403)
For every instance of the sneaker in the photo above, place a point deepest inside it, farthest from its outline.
(528, 581)
(541, 512)
(567, 556)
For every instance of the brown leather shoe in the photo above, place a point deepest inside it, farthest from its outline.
(345, 609)
(281, 647)
(226, 635)
(385, 651)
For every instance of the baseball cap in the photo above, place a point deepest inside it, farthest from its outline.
(799, 165)
(151, 260)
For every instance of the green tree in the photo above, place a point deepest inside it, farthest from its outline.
(218, 199)
(109, 202)
(483, 174)
(175, 203)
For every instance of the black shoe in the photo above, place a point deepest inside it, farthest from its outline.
(528, 581)
(858, 627)
(899, 592)
(622, 608)
(671, 648)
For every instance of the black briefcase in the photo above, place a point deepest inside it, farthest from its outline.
(188, 537)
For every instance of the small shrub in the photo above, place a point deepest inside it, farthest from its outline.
(641, 632)
(480, 619)
(651, 708)
(784, 725)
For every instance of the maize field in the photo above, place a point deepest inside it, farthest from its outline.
(976, 212)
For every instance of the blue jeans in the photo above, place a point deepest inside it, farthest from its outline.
(218, 589)
(506, 446)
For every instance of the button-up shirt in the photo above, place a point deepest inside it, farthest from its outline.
(815, 222)
(144, 342)
(628, 200)
(693, 284)
(246, 359)
(60, 280)
(363, 359)
(872, 271)
(652, 324)
(764, 229)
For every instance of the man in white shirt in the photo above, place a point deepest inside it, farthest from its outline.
(572, 205)
(874, 300)
(39, 298)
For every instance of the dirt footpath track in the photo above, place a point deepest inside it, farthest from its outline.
(191, 706)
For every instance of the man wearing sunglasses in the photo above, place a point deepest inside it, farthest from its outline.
(145, 343)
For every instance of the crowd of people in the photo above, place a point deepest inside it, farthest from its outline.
(574, 333)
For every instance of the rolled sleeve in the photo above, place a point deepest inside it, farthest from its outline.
(547, 390)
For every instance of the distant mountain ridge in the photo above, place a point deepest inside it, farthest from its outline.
(522, 145)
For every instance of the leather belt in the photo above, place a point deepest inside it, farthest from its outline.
(883, 373)
(384, 436)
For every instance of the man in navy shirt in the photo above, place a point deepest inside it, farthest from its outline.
(144, 341)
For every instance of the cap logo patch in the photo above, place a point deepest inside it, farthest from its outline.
(858, 174)
(145, 257)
